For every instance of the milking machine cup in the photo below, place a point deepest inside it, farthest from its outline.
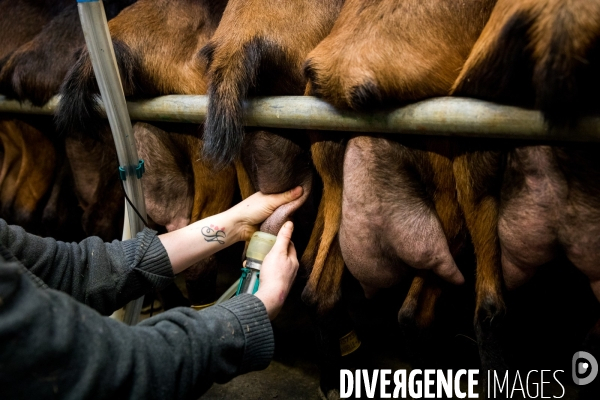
(260, 245)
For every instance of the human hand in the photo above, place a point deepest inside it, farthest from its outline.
(278, 271)
(247, 214)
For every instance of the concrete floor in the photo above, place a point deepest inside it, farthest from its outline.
(278, 381)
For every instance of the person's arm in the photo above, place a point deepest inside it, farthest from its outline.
(203, 238)
(106, 276)
(54, 347)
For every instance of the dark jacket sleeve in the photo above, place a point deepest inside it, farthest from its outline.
(54, 347)
(104, 276)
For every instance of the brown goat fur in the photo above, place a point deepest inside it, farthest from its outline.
(36, 69)
(276, 161)
(213, 191)
(538, 53)
(163, 63)
(244, 182)
(377, 55)
(386, 50)
(21, 21)
(180, 188)
(160, 67)
(541, 54)
(400, 66)
(479, 175)
(257, 51)
(322, 257)
(478, 182)
(28, 168)
(418, 308)
(94, 167)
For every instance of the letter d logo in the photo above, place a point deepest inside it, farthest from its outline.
(584, 364)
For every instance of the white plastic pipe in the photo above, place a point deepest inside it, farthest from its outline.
(102, 55)
(228, 293)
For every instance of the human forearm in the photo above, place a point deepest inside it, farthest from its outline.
(188, 245)
(203, 238)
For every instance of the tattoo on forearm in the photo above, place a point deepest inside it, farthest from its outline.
(214, 234)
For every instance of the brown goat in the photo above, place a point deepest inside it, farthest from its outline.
(345, 71)
(179, 188)
(351, 67)
(38, 47)
(544, 54)
(257, 51)
(153, 65)
(546, 51)
(323, 251)
(407, 202)
(35, 70)
(21, 21)
(28, 167)
(254, 56)
(148, 65)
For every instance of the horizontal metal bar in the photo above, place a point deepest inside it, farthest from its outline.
(446, 116)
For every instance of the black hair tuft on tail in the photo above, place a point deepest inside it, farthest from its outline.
(78, 111)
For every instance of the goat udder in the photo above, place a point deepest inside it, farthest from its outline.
(283, 213)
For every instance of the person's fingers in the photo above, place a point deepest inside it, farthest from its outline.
(283, 238)
(249, 231)
(276, 200)
(291, 250)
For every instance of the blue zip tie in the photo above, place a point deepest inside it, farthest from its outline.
(141, 168)
(139, 171)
